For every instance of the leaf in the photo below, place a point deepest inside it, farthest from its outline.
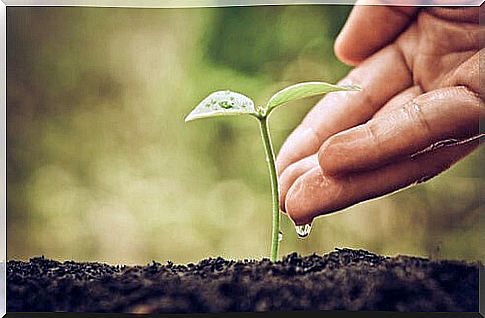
(222, 103)
(307, 89)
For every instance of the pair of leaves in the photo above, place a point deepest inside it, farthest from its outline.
(224, 103)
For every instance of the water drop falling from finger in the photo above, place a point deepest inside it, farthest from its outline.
(303, 230)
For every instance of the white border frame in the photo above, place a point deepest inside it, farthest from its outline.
(3, 169)
(232, 3)
(152, 4)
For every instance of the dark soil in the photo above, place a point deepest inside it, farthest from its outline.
(344, 279)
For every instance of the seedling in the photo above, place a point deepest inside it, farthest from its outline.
(226, 103)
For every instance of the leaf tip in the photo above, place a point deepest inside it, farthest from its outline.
(189, 117)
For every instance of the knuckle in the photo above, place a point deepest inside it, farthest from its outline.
(371, 133)
(414, 112)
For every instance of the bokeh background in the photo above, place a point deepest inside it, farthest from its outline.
(101, 165)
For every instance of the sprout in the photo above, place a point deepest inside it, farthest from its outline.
(227, 103)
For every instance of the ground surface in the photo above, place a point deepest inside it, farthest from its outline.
(344, 279)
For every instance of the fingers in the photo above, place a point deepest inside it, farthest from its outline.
(399, 100)
(457, 14)
(299, 168)
(316, 193)
(295, 170)
(370, 28)
(468, 74)
(444, 114)
(383, 76)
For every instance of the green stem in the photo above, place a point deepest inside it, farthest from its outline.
(270, 159)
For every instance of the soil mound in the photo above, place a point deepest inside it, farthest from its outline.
(341, 280)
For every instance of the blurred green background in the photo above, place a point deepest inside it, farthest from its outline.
(101, 165)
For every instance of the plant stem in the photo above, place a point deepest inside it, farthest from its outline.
(270, 159)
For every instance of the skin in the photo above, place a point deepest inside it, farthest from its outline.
(418, 114)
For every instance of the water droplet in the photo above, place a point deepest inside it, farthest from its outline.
(225, 104)
(303, 230)
(280, 236)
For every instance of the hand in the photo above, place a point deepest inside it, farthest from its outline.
(417, 115)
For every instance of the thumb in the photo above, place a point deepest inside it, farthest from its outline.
(370, 28)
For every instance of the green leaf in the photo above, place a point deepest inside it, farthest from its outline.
(307, 89)
(222, 103)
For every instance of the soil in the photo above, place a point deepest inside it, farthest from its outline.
(341, 280)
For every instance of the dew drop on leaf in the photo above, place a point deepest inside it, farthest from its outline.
(224, 104)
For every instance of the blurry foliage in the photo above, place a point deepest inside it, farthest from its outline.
(102, 167)
(266, 39)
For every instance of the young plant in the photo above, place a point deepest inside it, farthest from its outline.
(227, 103)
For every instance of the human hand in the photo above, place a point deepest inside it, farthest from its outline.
(417, 115)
